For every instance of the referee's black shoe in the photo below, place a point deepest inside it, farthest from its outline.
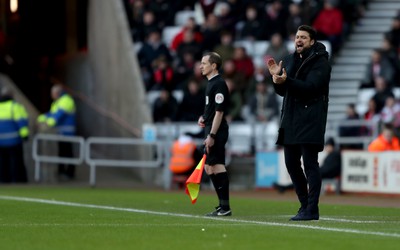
(219, 212)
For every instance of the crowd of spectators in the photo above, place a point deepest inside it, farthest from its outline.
(383, 77)
(216, 25)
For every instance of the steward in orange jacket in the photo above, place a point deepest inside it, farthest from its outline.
(386, 141)
(183, 159)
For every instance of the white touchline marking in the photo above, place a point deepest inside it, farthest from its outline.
(265, 223)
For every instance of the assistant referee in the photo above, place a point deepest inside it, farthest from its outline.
(216, 130)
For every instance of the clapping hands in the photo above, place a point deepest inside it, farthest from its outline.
(274, 69)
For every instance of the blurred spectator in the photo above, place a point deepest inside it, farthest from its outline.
(184, 157)
(352, 11)
(144, 27)
(189, 25)
(382, 92)
(243, 63)
(163, 75)
(192, 105)
(165, 107)
(274, 20)
(164, 11)
(394, 33)
(211, 32)
(251, 27)
(263, 104)
(378, 67)
(350, 130)
(332, 164)
(294, 20)
(235, 102)
(152, 49)
(329, 24)
(277, 48)
(138, 10)
(371, 115)
(391, 112)
(225, 16)
(208, 6)
(225, 49)
(259, 75)
(390, 53)
(184, 69)
(229, 71)
(189, 45)
(62, 117)
(386, 141)
(13, 132)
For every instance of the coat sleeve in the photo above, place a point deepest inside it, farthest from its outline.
(315, 81)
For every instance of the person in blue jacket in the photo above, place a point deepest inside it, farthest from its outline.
(13, 132)
(62, 117)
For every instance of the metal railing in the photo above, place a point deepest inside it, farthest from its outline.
(40, 158)
(103, 162)
(166, 133)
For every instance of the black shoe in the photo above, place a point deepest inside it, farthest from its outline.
(215, 212)
(305, 215)
(219, 212)
(300, 212)
(224, 213)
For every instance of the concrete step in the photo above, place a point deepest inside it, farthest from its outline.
(343, 92)
(375, 21)
(371, 28)
(341, 100)
(335, 116)
(348, 76)
(386, 13)
(365, 36)
(338, 107)
(355, 52)
(384, 5)
(359, 60)
(339, 83)
(346, 68)
(362, 44)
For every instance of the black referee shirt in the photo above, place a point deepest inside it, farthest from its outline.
(217, 99)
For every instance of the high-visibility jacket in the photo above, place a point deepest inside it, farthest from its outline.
(61, 115)
(182, 157)
(13, 123)
(381, 144)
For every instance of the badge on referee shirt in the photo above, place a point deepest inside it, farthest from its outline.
(219, 98)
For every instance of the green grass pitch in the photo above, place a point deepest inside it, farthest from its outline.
(39, 217)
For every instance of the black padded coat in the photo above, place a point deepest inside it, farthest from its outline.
(305, 91)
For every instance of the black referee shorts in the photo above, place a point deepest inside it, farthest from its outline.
(216, 154)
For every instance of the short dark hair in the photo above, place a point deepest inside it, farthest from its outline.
(388, 126)
(214, 58)
(310, 30)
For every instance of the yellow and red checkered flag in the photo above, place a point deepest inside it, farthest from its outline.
(194, 180)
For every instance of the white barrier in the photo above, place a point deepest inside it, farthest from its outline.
(371, 172)
(39, 157)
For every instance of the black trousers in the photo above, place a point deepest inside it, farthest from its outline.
(12, 166)
(65, 150)
(307, 183)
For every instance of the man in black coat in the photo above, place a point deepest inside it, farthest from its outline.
(303, 80)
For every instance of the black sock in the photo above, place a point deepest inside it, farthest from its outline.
(223, 190)
(214, 181)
